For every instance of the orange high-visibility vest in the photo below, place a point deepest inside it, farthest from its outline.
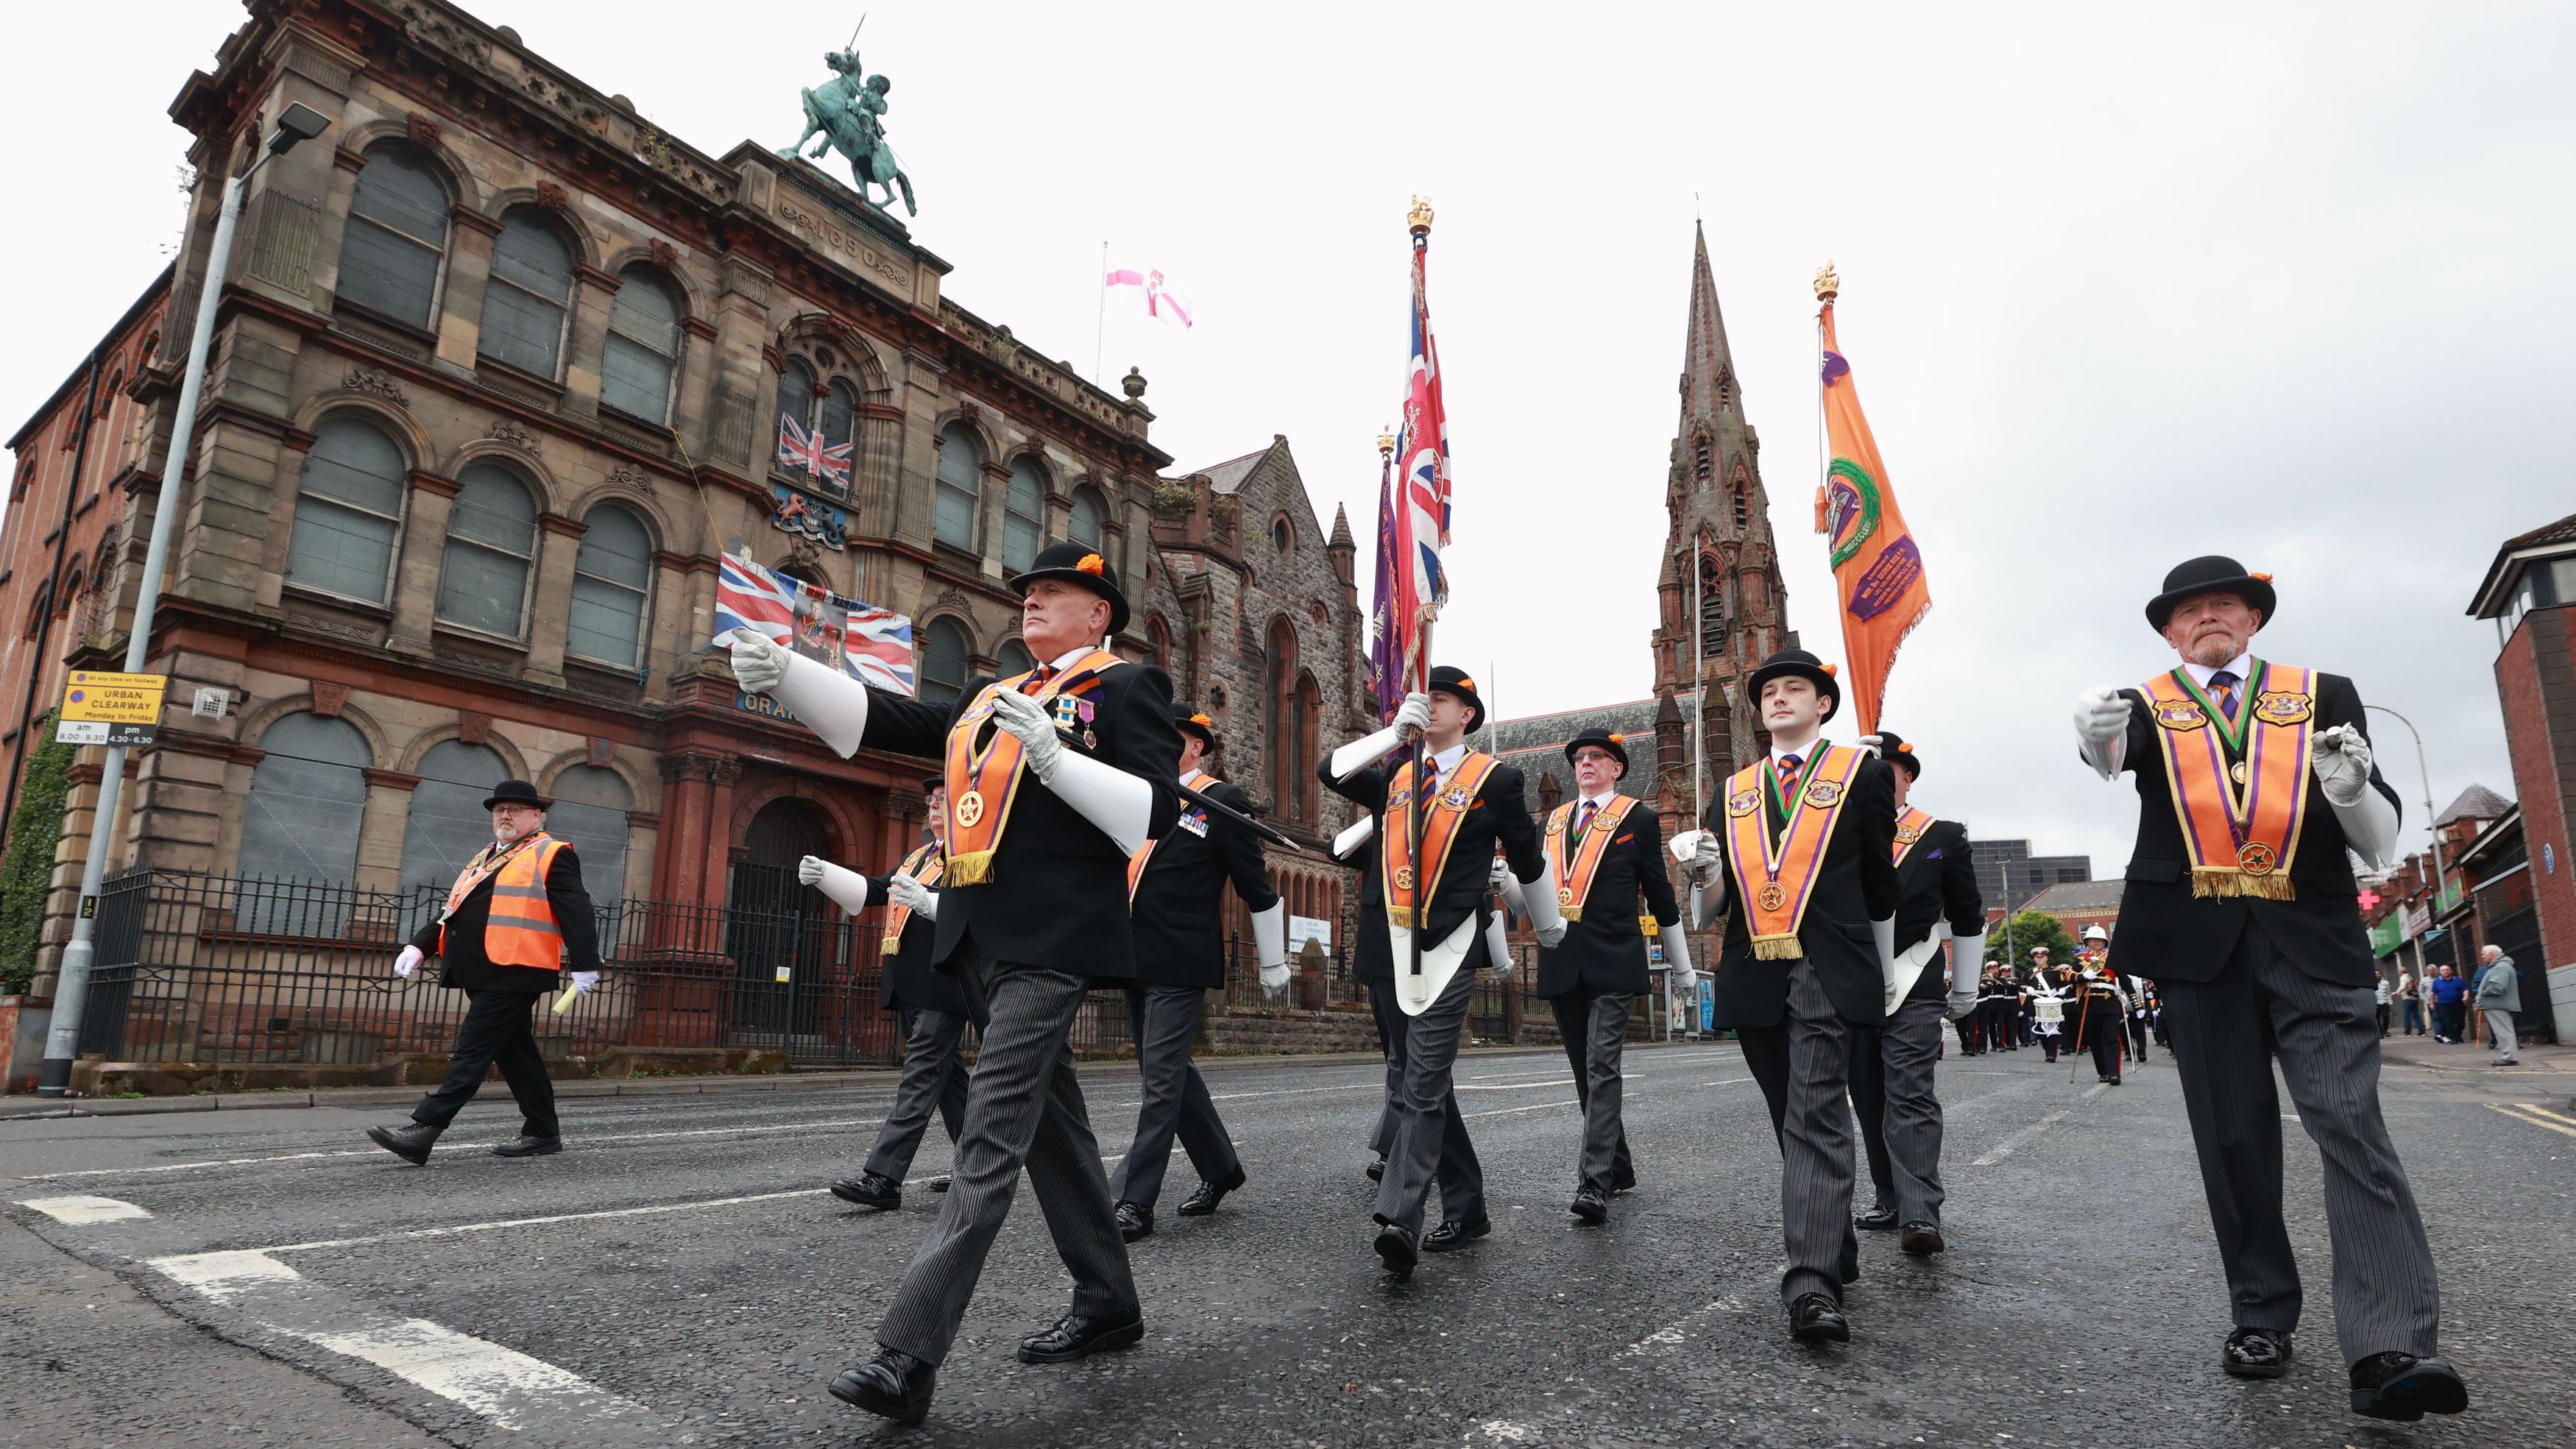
(521, 930)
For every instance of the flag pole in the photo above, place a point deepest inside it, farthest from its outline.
(1100, 319)
(1699, 697)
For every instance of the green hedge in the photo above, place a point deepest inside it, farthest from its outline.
(28, 867)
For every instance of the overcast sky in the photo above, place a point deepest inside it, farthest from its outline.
(2287, 282)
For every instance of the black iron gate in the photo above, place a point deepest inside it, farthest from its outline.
(806, 977)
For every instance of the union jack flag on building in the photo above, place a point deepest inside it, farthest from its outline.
(870, 644)
(799, 448)
(1413, 516)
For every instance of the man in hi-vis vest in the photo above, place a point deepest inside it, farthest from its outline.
(516, 917)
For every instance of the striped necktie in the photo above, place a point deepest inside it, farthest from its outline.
(1788, 765)
(2224, 683)
(1583, 819)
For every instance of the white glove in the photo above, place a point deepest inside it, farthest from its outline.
(759, 662)
(912, 895)
(1884, 933)
(1501, 872)
(1677, 956)
(830, 703)
(2102, 729)
(1546, 922)
(585, 982)
(847, 888)
(408, 962)
(1966, 957)
(1414, 713)
(2342, 762)
(1870, 743)
(1706, 857)
(1031, 724)
(1359, 754)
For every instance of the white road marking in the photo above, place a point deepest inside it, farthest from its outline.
(1678, 1331)
(2015, 1142)
(2536, 1116)
(1508, 1111)
(455, 1229)
(1726, 1082)
(80, 1209)
(1555, 1081)
(223, 1275)
(1296, 1092)
(501, 1384)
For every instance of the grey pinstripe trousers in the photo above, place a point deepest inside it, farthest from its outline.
(934, 1079)
(1023, 1108)
(2226, 1035)
(1815, 1141)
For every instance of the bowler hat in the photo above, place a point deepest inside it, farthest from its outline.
(2210, 574)
(1190, 721)
(1613, 745)
(1456, 682)
(1892, 747)
(933, 782)
(516, 792)
(1805, 666)
(1079, 564)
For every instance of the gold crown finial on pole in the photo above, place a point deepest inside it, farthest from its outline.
(1385, 440)
(1828, 286)
(1419, 219)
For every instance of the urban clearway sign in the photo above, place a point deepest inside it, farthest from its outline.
(110, 709)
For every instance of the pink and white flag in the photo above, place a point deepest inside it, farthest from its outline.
(1162, 299)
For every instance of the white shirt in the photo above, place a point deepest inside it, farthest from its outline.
(1072, 657)
(1804, 753)
(2242, 666)
(1447, 760)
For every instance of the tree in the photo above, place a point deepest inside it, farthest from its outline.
(2029, 929)
(27, 870)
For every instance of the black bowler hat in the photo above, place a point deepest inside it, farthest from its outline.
(1455, 682)
(1893, 749)
(1805, 666)
(1195, 722)
(1076, 563)
(1614, 746)
(516, 792)
(2210, 574)
(933, 782)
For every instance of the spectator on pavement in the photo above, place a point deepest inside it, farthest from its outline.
(2499, 991)
(2410, 1003)
(2383, 996)
(2449, 994)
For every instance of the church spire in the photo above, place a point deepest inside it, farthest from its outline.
(1708, 371)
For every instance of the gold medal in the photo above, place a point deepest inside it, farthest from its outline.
(1404, 877)
(970, 808)
(2238, 773)
(1565, 895)
(2255, 858)
(1772, 896)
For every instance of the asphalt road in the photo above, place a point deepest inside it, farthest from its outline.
(679, 1276)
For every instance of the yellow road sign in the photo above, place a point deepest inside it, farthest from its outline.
(114, 698)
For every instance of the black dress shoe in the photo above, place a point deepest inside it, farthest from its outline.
(1397, 1247)
(1921, 1240)
(1590, 1204)
(2256, 1353)
(1456, 1233)
(410, 1142)
(893, 1384)
(1877, 1219)
(1204, 1201)
(939, 1183)
(870, 1190)
(1076, 1336)
(1377, 1170)
(525, 1145)
(2403, 1387)
(1134, 1222)
(1815, 1318)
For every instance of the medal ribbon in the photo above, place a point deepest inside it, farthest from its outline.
(1396, 872)
(923, 865)
(1575, 880)
(2240, 820)
(978, 778)
(484, 866)
(1197, 780)
(1910, 829)
(1775, 901)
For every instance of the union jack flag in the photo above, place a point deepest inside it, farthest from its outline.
(1413, 515)
(870, 644)
(808, 450)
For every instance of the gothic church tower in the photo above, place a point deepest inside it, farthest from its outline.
(1720, 533)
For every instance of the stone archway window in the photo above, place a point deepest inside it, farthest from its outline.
(530, 293)
(944, 651)
(347, 512)
(796, 387)
(308, 796)
(591, 803)
(1014, 658)
(1023, 517)
(611, 577)
(961, 487)
(396, 241)
(448, 823)
(643, 354)
(491, 545)
(1088, 518)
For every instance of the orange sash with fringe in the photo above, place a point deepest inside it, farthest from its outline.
(1775, 882)
(2239, 782)
(1396, 873)
(923, 865)
(984, 783)
(1574, 879)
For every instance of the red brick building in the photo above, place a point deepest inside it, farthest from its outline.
(2530, 593)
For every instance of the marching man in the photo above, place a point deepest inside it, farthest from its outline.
(2101, 1017)
(515, 918)
(1176, 890)
(1892, 1063)
(1605, 861)
(929, 1005)
(2049, 992)
(1475, 802)
(1031, 913)
(2253, 780)
(1802, 844)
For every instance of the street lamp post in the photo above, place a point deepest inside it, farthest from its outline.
(2425, 771)
(297, 124)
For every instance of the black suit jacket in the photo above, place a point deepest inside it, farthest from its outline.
(1855, 886)
(910, 976)
(1057, 897)
(1372, 958)
(1606, 950)
(1498, 815)
(1179, 913)
(465, 967)
(2167, 933)
(1937, 882)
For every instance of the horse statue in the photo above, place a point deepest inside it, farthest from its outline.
(847, 112)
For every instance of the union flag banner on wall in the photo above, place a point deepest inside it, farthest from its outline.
(1879, 589)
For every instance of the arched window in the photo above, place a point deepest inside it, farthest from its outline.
(840, 413)
(396, 237)
(491, 541)
(1015, 658)
(1158, 641)
(590, 816)
(448, 822)
(796, 391)
(1305, 722)
(530, 291)
(611, 579)
(961, 487)
(1023, 516)
(308, 796)
(348, 512)
(944, 648)
(643, 347)
(1712, 609)
(1283, 534)
(1088, 514)
(1278, 714)
(1743, 502)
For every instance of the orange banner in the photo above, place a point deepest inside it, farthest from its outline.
(1878, 571)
